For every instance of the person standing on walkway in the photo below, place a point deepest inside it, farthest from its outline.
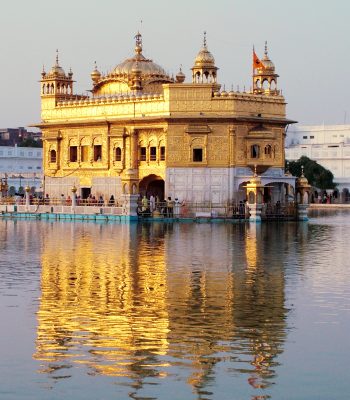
(111, 201)
(144, 203)
(177, 205)
(170, 208)
(152, 203)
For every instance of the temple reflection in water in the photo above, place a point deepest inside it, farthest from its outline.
(133, 300)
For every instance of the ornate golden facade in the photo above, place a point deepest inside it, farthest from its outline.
(144, 131)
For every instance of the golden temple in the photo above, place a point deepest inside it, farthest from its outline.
(144, 131)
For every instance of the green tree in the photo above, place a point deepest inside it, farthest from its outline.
(30, 142)
(317, 175)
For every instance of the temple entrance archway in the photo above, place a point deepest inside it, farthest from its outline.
(152, 184)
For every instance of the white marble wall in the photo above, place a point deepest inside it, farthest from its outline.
(200, 184)
(216, 185)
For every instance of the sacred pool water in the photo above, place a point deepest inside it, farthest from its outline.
(175, 311)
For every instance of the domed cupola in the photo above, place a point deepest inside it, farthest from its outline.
(135, 73)
(56, 82)
(204, 69)
(148, 67)
(95, 74)
(180, 76)
(56, 71)
(264, 75)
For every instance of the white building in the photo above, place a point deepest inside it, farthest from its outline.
(21, 166)
(329, 145)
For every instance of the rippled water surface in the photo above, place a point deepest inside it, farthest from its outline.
(175, 311)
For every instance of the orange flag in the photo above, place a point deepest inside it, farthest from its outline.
(256, 61)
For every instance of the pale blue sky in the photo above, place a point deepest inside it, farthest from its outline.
(309, 42)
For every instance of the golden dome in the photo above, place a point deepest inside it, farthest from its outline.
(180, 76)
(134, 74)
(302, 181)
(267, 63)
(95, 74)
(139, 62)
(146, 66)
(204, 57)
(57, 70)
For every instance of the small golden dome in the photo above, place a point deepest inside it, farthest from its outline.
(267, 63)
(57, 70)
(224, 93)
(204, 57)
(302, 181)
(180, 76)
(95, 74)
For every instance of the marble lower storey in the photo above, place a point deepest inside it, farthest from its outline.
(222, 185)
(196, 184)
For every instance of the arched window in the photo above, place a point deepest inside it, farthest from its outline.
(254, 151)
(162, 153)
(268, 151)
(118, 154)
(153, 153)
(53, 157)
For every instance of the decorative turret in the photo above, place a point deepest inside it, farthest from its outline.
(303, 193)
(204, 69)
(95, 74)
(255, 194)
(264, 75)
(56, 83)
(180, 76)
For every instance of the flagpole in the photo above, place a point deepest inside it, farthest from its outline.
(253, 68)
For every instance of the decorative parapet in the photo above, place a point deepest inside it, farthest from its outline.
(126, 98)
(223, 95)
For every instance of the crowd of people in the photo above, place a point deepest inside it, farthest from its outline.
(154, 206)
(67, 200)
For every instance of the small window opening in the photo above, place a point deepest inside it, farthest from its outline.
(162, 153)
(197, 155)
(73, 153)
(142, 153)
(97, 152)
(153, 153)
(118, 154)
